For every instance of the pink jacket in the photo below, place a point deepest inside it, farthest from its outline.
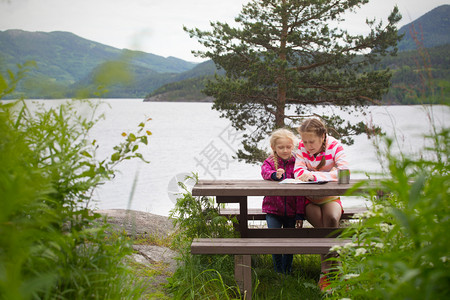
(282, 206)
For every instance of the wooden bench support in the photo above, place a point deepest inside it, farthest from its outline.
(243, 274)
(243, 248)
(255, 214)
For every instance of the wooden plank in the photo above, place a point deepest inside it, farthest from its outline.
(215, 241)
(277, 233)
(268, 188)
(257, 214)
(248, 246)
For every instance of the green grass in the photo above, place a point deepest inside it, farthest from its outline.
(301, 284)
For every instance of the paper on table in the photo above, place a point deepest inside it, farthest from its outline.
(296, 181)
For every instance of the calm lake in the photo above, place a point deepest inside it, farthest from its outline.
(190, 137)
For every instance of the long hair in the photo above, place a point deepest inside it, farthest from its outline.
(279, 134)
(318, 128)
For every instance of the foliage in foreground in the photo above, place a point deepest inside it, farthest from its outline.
(51, 245)
(198, 217)
(200, 275)
(400, 248)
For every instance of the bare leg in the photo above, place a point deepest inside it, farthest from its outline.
(313, 214)
(331, 214)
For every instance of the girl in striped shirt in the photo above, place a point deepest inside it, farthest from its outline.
(318, 158)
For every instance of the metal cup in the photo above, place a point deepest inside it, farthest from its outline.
(343, 176)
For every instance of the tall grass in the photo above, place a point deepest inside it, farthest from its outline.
(200, 276)
(51, 245)
(400, 247)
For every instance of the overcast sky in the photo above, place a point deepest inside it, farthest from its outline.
(156, 26)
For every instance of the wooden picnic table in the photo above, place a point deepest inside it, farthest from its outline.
(262, 240)
(237, 191)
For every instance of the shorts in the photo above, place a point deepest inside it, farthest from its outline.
(325, 200)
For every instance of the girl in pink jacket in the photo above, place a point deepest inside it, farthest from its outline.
(281, 211)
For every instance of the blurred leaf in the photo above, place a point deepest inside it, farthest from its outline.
(113, 72)
(131, 137)
(115, 156)
(416, 188)
(3, 84)
(85, 153)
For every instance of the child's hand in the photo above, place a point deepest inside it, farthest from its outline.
(306, 177)
(280, 173)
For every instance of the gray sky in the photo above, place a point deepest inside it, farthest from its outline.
(156, 26)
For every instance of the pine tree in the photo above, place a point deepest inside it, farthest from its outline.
(284, 54)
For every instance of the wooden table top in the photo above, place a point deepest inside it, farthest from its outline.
(269, 188)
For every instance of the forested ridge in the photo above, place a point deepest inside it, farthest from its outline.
(413, 76)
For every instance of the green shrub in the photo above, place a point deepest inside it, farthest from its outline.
(400, 247)
(201, 276)
(51, 245)
(198, 217)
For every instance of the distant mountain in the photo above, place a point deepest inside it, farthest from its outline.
(64, 59)
(432, 29)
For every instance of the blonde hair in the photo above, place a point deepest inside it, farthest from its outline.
(280, 134)
(318, 128)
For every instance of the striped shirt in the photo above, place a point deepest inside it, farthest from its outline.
(335, 159)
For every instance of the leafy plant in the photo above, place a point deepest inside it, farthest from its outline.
(51, 245)
(201, 276)
(399, 248)
(197, 217)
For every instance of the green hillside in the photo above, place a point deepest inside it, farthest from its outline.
(65, 60)
(418, 74)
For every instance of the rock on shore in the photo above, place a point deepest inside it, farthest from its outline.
(138, 223)
(141, 224)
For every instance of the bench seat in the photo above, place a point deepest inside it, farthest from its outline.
(257, 214)
(248, 246)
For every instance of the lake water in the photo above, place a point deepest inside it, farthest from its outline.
(190, 137)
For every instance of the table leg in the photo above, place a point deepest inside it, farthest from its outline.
(243, 211)
(243, 275)
(243, 218)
